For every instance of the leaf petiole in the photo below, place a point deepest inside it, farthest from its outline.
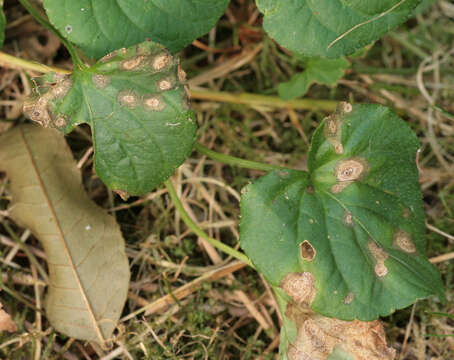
(232, 160)
(39, 18)
(198, 231)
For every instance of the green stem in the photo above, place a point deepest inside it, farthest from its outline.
(264, 100)
(40, 18)
(27, 252)
(198, 231)
(231, 160)
(18, 63)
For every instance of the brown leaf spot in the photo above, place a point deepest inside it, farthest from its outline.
(339, 148)
(128, 98)
(297, 354)
(100, 81)
(161, 61)
(319, 336)
(131, 64)
(403, 240)
(348, 219)
(61, 121)
(346, 107)
(310, 189)
(332, 126)
(37, 113)
(300, 287)
(307, 251)
(349, 298)
(380, 256)
(153, 102)
(337, 188)
(165, 84)
(351, 169)
(61, 89)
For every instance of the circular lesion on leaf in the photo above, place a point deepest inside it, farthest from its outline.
(161, 61)
(100, 81)
(349, 298)
(348, 219)
(404, 241)
(351, 169)
(166, 84)
(128, 98)
(307, 251)
(300, 287)
(153, 102)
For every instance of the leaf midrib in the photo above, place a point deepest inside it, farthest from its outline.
(61, 236)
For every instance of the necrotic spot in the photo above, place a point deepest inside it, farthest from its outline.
(133, 63)
(128, 98)
(403, 240)
(100, 81)
(300, 287)
(161, 61)
(153, 102)
(307, 251)
(351, 169)
(348, 219)
(349, 298)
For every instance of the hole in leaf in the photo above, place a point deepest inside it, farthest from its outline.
(307, 251)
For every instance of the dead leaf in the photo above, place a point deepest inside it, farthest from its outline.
(6, 323)
(88, 267)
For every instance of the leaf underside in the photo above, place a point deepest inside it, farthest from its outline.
(88, 267)
(331, 28)
(137, 107)
(101, 26)
(362, 239)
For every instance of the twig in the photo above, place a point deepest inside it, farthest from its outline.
(185, 290)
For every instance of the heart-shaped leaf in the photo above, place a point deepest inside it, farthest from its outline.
(88, 267)
(331, 28)
(354, 221)
(137, 107)
(101, 26)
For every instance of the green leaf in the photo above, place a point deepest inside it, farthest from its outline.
(322, 71)
(85, 251)
(355, 220)
(137, 109)
(101, 26)
(331, 28)
(2, 24)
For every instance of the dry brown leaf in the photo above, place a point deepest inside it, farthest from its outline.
(6, 323)
(88, 267)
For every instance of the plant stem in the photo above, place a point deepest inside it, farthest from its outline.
(39, 17)
(198, 231)
(264, 100)
(231, 160)
(18, 63)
